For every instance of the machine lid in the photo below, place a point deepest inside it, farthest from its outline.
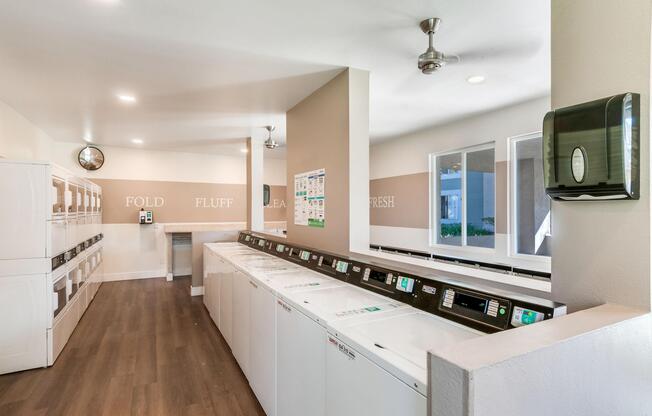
(400, 342)
(298, 278)
(340, 302)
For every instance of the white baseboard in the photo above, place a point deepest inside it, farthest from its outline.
(182, 271)
(169, 277)
(147, 274)
(196, 290)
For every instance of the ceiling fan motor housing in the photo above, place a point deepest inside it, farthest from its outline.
(431, 60)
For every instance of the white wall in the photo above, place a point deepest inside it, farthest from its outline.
(596, 362)
(157, 165)
(408, 154)
(20, 139)
(601, 250)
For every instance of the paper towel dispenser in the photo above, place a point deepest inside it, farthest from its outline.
(591, 150)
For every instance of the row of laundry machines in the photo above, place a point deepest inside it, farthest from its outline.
(320, 334)
(50, 259)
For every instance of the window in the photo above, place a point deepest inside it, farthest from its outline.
(464, 186)
(530, 204)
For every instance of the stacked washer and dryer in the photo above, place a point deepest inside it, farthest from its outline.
(50, 260)
(320, 334)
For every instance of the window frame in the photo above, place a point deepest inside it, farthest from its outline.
(512, 250)
(434, 226)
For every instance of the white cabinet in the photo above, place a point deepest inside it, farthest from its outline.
(241, 320)
(355, 386)
(225, 304)
(301, 363)
(262, 350)
(23, 322)
(209, 282)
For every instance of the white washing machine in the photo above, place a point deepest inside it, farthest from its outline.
(379, 367)
(303, 312)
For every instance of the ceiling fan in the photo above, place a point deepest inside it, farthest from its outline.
(432, 60)
(270, 143)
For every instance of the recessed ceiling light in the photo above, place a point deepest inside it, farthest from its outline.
(244, 150)
(137, 141)
(475, 79)
(126, 98)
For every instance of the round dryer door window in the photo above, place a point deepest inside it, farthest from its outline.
(578, 164)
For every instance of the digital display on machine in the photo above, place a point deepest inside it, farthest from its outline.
(326, 261)
(342, 266)
(377, 276)
(261, 243)
(247, 238)
(280, 248)
(470, 302)
(305, 255)
(405, 284)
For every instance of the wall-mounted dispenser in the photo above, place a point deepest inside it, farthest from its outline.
(591, 150)
(145, 217)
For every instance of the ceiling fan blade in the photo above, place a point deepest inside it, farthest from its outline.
(451, 59)
(514, 51)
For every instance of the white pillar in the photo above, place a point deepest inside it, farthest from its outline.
(255, 208)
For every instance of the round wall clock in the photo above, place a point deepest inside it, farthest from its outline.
(91, 158)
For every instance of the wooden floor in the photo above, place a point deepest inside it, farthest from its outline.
(144, 347)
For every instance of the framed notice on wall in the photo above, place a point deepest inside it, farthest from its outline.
(310, 198)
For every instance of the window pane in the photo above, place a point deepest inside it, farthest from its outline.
(480, 197)
(449, 209)
(532, 203)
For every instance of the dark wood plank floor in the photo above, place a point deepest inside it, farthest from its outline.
(144, 347)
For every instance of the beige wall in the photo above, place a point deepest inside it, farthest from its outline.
(317, 137)
(20, 139)
(601, 250)
(400, 201)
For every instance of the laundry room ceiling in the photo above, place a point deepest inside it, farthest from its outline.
(203, 75)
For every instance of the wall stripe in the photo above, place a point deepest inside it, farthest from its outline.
(402, 201)
(181, 201)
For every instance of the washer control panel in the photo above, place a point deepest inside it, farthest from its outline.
(477, 306)
(481, 308)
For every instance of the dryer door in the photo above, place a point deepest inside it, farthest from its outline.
(23, 211)
(23, 319)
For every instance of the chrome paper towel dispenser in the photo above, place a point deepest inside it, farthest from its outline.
(591, 150)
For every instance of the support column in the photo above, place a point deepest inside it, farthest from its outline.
(330, 130)
(255, 208)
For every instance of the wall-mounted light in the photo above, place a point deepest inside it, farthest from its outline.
(126, 98)
(137, 141)
(475, 79)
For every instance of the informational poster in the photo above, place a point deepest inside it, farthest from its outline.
(310, 198)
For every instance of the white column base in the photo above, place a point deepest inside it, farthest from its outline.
(196, 290)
